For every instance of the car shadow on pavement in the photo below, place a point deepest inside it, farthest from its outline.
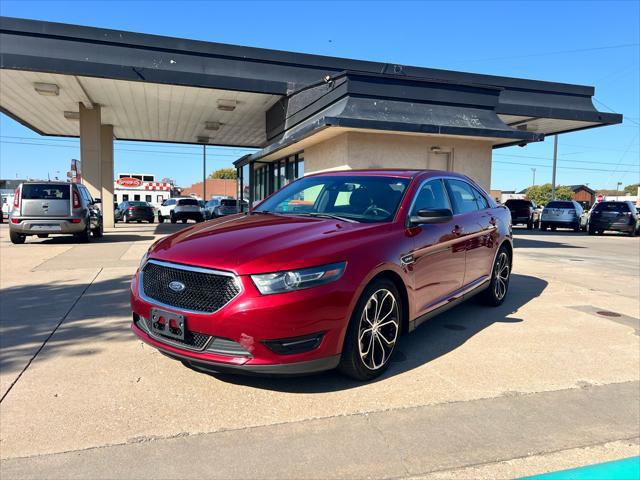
(526, 243)
(435, 338)
(30, 313)
(107, 238)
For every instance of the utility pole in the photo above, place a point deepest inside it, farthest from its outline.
(204, 172)
(555, 163)
(534, 176)
(618, 185)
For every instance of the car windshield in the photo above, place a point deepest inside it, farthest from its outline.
(188, 201)
(45, 192)
(561, 205)
(362, 198)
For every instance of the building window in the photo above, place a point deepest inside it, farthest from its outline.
(125, 197)
(148, 178)
(159, 199)
(136, 198)
(147, 198)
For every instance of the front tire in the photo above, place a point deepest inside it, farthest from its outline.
(529, 225)
(17, 238)
(495, 294)
(373, 332)
(543, 227)
(173, 218)
(160, 219)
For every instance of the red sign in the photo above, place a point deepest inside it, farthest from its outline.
(129, 182)
(599, 198)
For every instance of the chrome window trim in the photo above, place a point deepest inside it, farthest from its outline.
(178, 266)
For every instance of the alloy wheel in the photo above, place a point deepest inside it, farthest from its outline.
(501, 274)
(378, 329)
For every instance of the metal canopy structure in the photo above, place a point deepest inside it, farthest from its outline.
(174, 90)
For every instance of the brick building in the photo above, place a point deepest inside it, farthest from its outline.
(215, 187)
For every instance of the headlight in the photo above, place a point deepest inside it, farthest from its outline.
(288, 281)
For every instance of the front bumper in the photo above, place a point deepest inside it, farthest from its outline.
(41, 226)
(253, 321)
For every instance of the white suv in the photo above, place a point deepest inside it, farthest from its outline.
(182, 208)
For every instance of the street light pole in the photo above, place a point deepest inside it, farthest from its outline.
(204, 173)
(618, 189)
(534, 176)
(555, 163)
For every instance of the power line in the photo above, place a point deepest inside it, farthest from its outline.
(549, 166)
(156, 152)
(560, 159)
(557, 52)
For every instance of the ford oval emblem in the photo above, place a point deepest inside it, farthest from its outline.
(177, 286)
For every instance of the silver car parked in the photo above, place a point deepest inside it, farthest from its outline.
(561, 214)
(45, 208)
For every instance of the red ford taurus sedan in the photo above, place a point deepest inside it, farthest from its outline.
(327, 272)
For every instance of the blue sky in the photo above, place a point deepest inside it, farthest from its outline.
(589, 43)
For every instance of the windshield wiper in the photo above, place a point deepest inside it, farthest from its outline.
(325, 215)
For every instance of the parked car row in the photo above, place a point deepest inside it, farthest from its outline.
(621, 216)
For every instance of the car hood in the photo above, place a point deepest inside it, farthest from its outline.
(248, 244)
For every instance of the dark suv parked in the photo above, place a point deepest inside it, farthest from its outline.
(44, 208)
(617, 216)
(134, 212)
(522, 212)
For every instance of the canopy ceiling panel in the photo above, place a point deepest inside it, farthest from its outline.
(138, 110)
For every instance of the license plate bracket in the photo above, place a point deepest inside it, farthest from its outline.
(168, 324)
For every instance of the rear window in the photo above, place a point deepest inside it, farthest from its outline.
(561, 205)
(228, 202)
(518, 203)
(612, 207)
(139, 204)
(188, 201)
(45, 192)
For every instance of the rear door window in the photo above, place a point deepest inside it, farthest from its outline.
(45, 192)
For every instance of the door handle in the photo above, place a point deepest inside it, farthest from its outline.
(457, 230)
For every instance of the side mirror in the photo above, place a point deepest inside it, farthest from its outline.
(427, 215)
(97, 200)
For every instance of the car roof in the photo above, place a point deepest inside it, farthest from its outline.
(45, 182)
(389, 172)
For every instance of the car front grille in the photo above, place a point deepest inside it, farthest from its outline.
(203, 291)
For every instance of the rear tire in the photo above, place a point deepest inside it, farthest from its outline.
(152, 220)
(553, 229)
(633, 233)
(160, 219)
(576, 228)
(530, 225)
(98, 232)
(43, 235)
(591, 231)
(374, 331)
(17, 238)
(85, 235)
(543, 227)
(498, 288)
(125, 219)
(173, 218)
(184, 220)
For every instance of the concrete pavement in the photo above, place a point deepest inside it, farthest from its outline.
(96, 393)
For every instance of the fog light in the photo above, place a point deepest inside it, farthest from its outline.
(292, 345)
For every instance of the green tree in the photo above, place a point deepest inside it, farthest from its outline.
(541, 194)
(228, 173)
(632, 189)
